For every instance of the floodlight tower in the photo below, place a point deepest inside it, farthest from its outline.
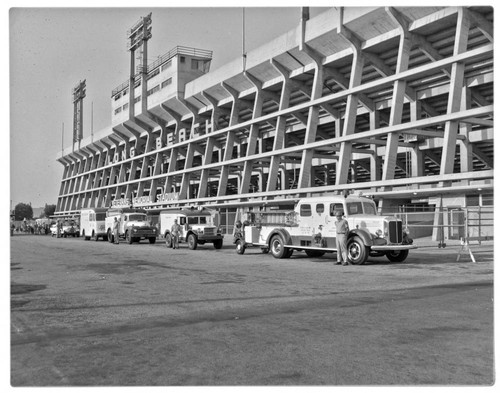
(139, 35)
(78, 96)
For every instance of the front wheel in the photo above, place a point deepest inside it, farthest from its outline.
(240, 247)
(277, 247)
(110, 237)
(218, 244)
(152, 240)
(356, 251)
(168, 240)
(192, 242)
(397, 256)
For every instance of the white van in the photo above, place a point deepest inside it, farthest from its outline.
(92, 223)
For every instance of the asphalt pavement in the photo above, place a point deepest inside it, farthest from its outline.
(87, 313)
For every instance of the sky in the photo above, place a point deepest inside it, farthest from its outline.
(52, 49)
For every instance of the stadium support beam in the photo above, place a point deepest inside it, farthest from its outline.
(343, 164)
(312, 117)
(454, 98)
(279, 136)
(399, 91)
(254, 133)
(230, 138)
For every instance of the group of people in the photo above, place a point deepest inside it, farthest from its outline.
(175, 232)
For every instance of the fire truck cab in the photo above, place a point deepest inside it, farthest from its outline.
(310, 227)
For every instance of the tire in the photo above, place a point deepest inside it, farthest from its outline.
(94, 237)
(192, 241)
(110, 237)
(357, 252)
(240, 247)
(277, 247)
(314, 253)
(218, 244)
(152, 240)
(397, 256)
(288, 253)
(168, 240)
(104, 237)
(128, 237)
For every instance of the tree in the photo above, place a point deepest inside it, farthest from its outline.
(22, 211)
(49, 210)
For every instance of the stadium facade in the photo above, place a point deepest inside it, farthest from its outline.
(392, 102)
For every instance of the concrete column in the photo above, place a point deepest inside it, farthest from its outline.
(454, 98)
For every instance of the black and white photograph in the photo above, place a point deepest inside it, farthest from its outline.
(250, 195)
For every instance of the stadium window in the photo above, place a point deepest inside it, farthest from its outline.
(166, 65)
(183, 59)
(166, 83)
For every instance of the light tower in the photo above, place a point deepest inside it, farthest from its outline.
(78, 96)
(139, 35)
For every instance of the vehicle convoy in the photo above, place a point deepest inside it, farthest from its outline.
(310, 227)
(93, 223)
(197, 227)
(133, 225)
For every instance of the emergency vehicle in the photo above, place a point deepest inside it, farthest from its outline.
(93, 223)
(310, 227)
(134, 225)
(197, 227)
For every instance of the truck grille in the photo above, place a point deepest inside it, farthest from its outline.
(209, 231)
(395, 231)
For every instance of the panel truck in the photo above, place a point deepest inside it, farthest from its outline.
(310, 227)
(93, 223)
(197, 227)
(134, 225)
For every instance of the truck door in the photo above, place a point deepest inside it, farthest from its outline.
(306, 219)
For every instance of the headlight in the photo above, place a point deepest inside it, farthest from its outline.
(134, 230)
(219, 229)
(154, 230)
(406, 231)
(378, 232)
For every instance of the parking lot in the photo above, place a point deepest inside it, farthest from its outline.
(86, 313)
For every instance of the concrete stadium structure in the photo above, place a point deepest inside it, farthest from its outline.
(393, 102)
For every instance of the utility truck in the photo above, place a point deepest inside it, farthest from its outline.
(310, 227)
(133, 226)
(196, 227)
(93, 223)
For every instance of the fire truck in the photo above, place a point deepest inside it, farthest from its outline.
(310, 227)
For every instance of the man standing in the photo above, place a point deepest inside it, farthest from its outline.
(176, 231)
(116, 225)
(342, 228)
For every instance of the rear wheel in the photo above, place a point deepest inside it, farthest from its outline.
(277, 247)
(314, 253)
(397, 256)
(356, 251)
(192, 242)
(240, 247)
(110, 236)
(218, 244)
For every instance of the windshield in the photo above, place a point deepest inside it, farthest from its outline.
(369, 208)
(137, 217)
(197, 220)
(100, 216)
